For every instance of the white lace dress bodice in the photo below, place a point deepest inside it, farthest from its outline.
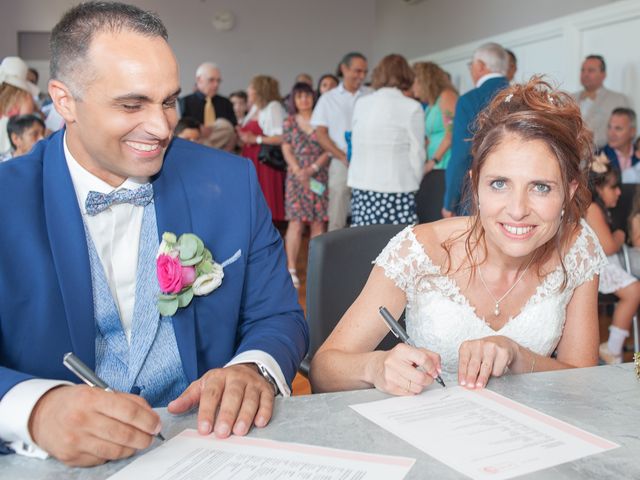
(439, 317)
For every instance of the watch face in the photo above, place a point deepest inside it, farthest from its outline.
(224, 20)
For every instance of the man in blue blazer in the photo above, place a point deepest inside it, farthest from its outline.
(78, 278)
(488, 68)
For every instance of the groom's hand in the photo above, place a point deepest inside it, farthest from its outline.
(84, 426)
(239, 394)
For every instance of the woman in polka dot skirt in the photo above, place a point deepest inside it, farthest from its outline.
(388, 152)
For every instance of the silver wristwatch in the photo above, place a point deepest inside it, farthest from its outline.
(267, 376)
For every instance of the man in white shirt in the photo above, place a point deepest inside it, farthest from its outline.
(332, 119)
(596, 101)
(80, 275)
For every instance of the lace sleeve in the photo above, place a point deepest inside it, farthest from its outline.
(401, 260)
(587, 256)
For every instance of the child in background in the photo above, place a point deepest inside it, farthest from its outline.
(24, 132)
(188, 128)
(603, 183)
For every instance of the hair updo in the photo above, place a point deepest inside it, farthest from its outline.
(536, 111)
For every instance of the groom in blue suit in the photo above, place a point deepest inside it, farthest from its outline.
(488, 68)
(78, 278)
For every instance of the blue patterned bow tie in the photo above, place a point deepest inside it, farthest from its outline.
(98, 202)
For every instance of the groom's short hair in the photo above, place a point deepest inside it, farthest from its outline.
(72, 36)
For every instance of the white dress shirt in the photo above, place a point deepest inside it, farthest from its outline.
(115, 233)
(387, 142)
(334, 110)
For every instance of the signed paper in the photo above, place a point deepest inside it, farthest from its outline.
(481, 433)
(192, 456)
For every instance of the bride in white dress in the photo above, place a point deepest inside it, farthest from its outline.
(495, 292)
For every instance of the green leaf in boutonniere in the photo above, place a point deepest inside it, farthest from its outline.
(168, 304)
(187, 246)
(185, 297)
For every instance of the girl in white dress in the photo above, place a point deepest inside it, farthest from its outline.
(605, 190)
(498, 291)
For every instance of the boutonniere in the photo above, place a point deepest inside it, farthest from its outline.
(185, 268)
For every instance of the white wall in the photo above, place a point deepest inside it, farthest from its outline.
(276, 37)
(557, 47)
(285, 37)
(433, 25)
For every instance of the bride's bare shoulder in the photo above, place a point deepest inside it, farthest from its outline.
(435, 235)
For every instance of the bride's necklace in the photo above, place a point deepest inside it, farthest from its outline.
(496, 310)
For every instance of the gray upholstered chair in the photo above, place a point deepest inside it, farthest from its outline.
(338, 267)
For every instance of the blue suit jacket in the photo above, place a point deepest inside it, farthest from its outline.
(46, 305)
(467, 109)
(613, 157)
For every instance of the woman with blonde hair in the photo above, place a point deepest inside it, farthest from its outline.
(433, 87)
(16, 96)
(263, 126)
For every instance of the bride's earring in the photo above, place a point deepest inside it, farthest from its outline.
(562, 214)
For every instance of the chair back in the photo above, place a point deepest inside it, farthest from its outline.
(338, 267)
(620, 213)
(430, 196)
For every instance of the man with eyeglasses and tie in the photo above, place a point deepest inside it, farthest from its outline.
(214, 111)
(82, 218)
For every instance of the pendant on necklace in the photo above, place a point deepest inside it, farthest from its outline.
(496, 311)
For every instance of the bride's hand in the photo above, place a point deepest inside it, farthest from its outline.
(485, 357)
(404, 370)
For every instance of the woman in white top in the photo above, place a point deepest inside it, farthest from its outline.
(498, 291)
(263, 125)
(387, 142)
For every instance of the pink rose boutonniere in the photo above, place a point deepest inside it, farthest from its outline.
(185, 268)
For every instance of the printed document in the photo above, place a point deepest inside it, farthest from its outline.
(482, 434)
(190, 456)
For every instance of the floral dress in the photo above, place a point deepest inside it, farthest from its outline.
(301, 203)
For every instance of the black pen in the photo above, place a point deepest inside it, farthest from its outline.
(399, 332)
(88, 376)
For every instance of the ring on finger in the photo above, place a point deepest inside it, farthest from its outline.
(409, 386)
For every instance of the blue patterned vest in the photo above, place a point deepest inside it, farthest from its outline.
(150, 366)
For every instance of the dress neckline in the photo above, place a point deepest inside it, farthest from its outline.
(463, 301)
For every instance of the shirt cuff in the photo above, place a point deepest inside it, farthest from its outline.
(15, 411)
(267, 361)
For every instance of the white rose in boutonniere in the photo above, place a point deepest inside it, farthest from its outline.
(207, 283)
(185, 268)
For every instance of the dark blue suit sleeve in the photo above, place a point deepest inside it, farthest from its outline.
(271, 319)
(460, 160)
